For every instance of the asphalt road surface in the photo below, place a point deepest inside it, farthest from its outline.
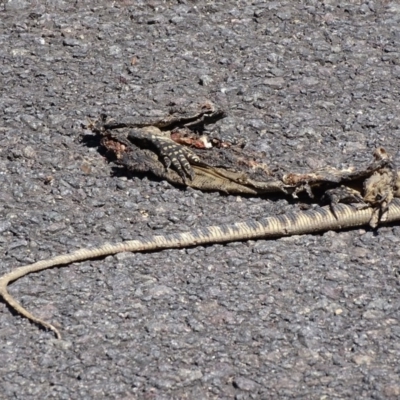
(309, 83)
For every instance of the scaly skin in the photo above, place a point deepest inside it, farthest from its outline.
(311, 221)
(380, 184)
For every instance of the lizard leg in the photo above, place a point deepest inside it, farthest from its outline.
(380, 187)
(172, 154)
(343, 194)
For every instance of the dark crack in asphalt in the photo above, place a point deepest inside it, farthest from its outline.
(310, 83)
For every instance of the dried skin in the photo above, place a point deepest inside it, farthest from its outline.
(226, 168)
(380, 185)
(114, 147)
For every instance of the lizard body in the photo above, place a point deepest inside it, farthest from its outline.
(169, 149)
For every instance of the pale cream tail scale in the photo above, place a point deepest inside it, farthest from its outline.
(302, 222)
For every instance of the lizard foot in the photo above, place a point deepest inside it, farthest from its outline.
(343, 194)
(172, 154)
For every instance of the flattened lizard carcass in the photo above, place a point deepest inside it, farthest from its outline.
(377, 200)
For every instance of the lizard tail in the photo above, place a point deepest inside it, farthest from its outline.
(310, 221)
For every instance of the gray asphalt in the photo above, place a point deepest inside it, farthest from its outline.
(310, 83)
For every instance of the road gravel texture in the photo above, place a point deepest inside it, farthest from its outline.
(309, 83)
